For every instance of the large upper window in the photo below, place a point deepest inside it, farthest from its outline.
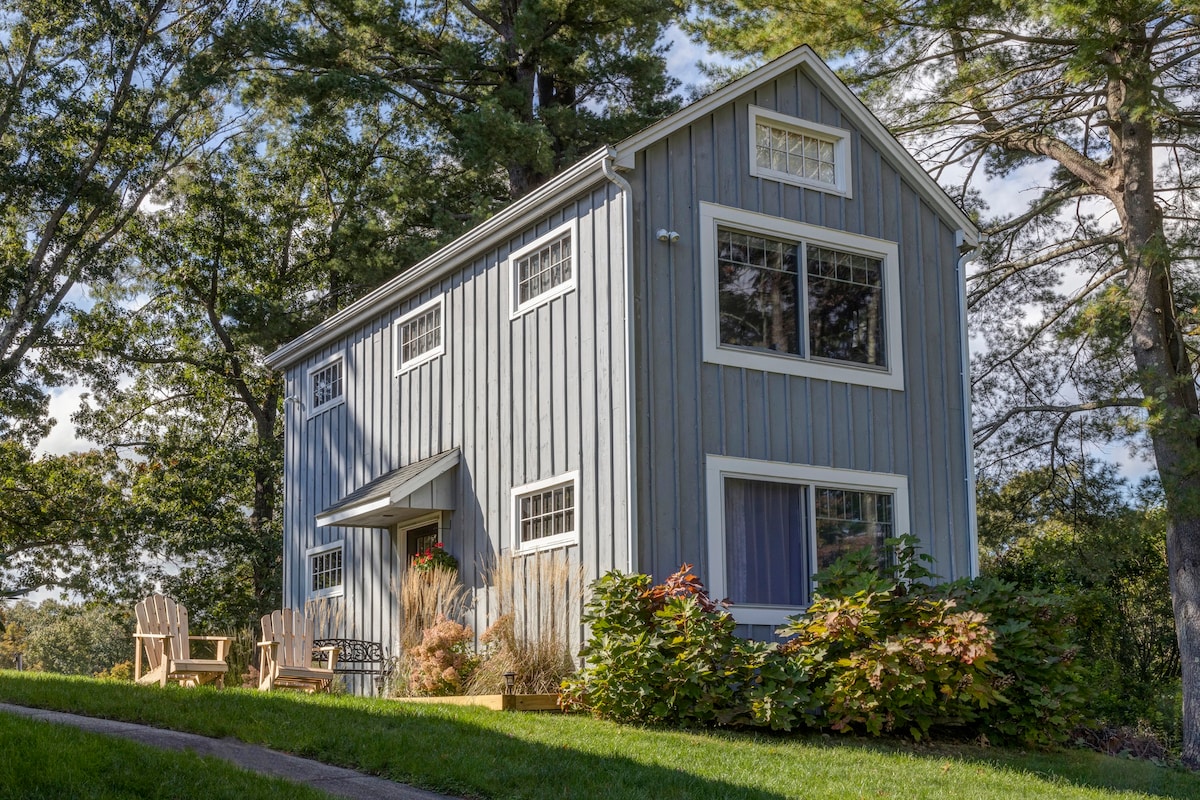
(543, 269)
(788, 297)
(419, 335)
(325, 570)
(772, 526)
(797, 151)
(326, 385)
(545, 513)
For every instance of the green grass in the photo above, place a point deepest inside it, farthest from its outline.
(482, 753)
(43, 760)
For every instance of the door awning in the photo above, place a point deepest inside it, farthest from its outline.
(421, 487)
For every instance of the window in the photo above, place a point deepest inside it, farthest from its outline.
(543, 269)
(325, 385)
(544, 513)
(419, 335)
(773, 525)
(796, 151)
(325, 570)
(788, 297)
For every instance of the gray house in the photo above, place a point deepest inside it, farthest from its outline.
(735, 339)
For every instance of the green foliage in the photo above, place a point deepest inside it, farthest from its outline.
(894, 661)
(66, 521)
(68, 639)
(667, 654)
(1079, 532)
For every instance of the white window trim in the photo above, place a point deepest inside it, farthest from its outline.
(405, 366)
(889, 377)
(547, 542)
(308, 387)
(838, 137)
(718, 468)
(335, 591)
(571, 230)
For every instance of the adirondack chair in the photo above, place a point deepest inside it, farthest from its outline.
(162, 631)
(287, 649)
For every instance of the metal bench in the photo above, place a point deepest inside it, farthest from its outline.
(355, 657)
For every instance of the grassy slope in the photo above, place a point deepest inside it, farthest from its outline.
(483, 753)
(41, 760)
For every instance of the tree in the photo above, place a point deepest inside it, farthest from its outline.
(99, 101)
(1080, 532)
(1088, 299)
(66, 521)
(523, 86)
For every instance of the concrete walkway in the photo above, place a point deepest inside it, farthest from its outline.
(336, 781)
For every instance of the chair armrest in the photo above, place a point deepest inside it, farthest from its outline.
(332, 651)
(211, 638)
(268, 644)
(152, 636)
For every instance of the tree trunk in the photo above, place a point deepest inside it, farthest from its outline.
(1164, 370)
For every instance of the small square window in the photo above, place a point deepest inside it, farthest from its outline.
(325, 576)
(326, 385)
(797, 151)
(543, 269)
(545, 513)
(420, 335)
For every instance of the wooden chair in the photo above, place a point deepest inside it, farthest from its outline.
(162, 631)
(287, 649)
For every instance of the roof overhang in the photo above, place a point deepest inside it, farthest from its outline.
(399, 495)
(555, 192)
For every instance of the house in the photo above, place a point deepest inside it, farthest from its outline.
(735, 339)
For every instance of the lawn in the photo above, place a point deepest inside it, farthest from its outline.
(42, 760)
(475, 752)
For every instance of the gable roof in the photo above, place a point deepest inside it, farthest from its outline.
(590, 170)
(803, 57)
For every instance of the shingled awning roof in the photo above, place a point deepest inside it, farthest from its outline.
(401, 494)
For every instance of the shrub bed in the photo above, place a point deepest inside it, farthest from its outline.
(874, 653)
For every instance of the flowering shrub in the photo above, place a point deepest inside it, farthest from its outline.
(877, 653)
(433, 558)
(443, 660)
(667, 654)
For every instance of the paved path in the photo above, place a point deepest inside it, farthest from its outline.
(333, 780)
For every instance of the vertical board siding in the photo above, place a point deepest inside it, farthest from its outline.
(524, 398)
(688, 409)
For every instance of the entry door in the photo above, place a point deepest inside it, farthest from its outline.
(421, 539)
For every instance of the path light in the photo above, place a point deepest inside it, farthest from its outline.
(510, 680)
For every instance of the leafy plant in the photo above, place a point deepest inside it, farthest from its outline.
(443, 660)
(667, 654)
(432, 558)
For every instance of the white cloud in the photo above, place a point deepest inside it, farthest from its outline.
(64, 438)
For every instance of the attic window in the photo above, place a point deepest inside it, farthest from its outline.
(419, 335)
(545, 513)
(543, 269)
(796, 151)
(326, 385)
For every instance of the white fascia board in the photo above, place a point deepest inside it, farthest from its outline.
(445, 260)
(340, 515)
(430, 473)
(860, 116)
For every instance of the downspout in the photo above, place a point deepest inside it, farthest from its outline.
(630, 372)
(967, 253)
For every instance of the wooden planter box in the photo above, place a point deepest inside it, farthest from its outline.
(496, 702)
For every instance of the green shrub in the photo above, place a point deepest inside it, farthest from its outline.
(1035, 672)
(667, 654)
(893, 661)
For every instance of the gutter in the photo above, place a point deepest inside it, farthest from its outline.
(607, 166)
(968, 251)
(445, 261)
